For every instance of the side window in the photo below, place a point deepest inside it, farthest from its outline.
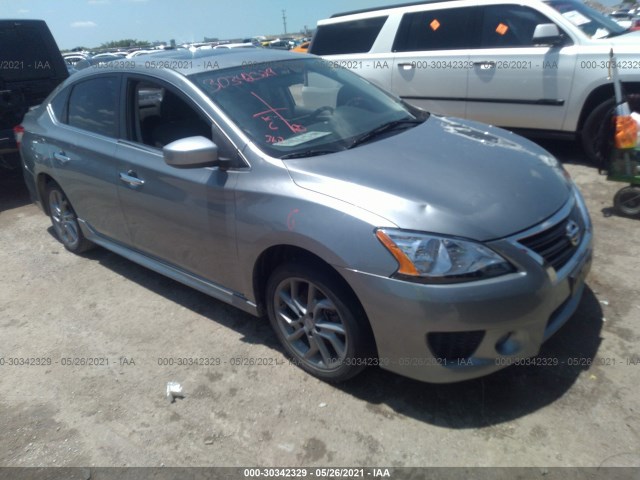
(448, 29)
(509, 26)
(347, 37)
(161, 116)
(93, 106)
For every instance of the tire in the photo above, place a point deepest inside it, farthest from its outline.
(65, 221)
(597, 133)
(627, 201)
(330, 340)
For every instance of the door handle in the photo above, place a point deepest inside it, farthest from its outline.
(485, 65)
(131, 178)
(406, 66)
(61, 157)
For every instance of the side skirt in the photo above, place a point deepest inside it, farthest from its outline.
(202, 285)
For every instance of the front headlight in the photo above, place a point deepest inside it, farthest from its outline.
(433, 259)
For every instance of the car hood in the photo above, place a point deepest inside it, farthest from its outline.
(629, 38)
(447, 176)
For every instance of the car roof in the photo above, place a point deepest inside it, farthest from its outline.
(20, 21)
(388, 7)
(187, 62)
(400, 6)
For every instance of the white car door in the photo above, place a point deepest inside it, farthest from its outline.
(512, 82)
(431, 59)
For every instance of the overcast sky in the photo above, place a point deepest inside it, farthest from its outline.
(90, 23)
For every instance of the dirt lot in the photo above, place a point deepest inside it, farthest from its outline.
(56, 306)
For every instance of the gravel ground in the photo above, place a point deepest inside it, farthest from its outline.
(56, 306)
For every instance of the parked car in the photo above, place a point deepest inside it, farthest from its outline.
(236, 45)
(110, 55)
(30, 68)
(302, 48)
(541, 67)
(138, 53)
(73, 57)
(635, 24)
(369, 231)
(623, 18)
(96, 61)
(279, 44)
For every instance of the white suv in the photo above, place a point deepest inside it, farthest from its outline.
(540, 67)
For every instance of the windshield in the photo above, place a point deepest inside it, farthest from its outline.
(304, 107)
(592, 23)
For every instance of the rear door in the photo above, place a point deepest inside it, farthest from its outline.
(513, 82)
(81, 148)
(360, 45)
(431, 59)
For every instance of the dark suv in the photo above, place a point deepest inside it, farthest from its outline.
(31, 66)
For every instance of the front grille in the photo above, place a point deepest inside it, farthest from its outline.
(454, 346)
(554, 244)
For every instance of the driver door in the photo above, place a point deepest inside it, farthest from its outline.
(182, 217)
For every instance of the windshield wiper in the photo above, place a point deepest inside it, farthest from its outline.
(307, 153)
(386, 127)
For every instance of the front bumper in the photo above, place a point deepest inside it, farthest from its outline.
(449, 333)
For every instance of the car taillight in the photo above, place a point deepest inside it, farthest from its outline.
(18, 132)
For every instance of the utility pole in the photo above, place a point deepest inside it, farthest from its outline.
(284, 20)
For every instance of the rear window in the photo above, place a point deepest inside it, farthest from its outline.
(347, 37)
(448, 29)
(24, 54)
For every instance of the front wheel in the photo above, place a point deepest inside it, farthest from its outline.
(598, 130)
(318, 321)
(597, 133)
(65, 221)
(627, 201)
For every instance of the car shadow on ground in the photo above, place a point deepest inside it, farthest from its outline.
(13, 191)
(501, 397)
(254, 330)
(497, 398)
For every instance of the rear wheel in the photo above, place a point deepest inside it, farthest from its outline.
(627, 201)
(318, 321)
(65, 221)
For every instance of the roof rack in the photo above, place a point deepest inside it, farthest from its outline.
(398, 5)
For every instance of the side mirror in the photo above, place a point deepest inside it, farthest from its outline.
(191, 152)
(547, 34)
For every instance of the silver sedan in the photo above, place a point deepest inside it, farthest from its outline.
(369, 231)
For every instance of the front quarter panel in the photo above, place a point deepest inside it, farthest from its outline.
(273, 211)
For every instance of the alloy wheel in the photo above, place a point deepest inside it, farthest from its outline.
(63, 218)
(311, 324)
